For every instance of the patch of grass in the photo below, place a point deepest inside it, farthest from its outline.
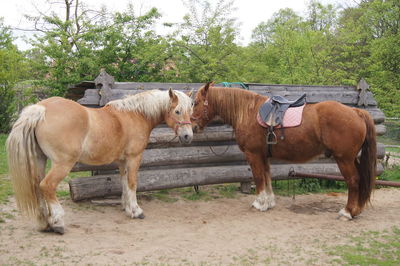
(6, 189)
(5, 183)
(228, 191)
(62, 193)
(164, 195)
(190, 194)
(307, 185)
(371, 248)
(392, 149)
(391, 174)
(3, 154)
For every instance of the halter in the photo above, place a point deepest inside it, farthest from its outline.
(205, 111)
(179, 124)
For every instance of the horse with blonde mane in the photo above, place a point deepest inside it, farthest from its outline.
(329, 127)
(66, 133)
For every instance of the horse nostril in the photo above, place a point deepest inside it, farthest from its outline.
(195, 128)
(186, 137)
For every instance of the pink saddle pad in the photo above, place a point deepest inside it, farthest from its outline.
(292, 117)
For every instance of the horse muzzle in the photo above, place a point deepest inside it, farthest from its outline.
(185, 135)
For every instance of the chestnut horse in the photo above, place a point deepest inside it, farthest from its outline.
(66, 133)
(326, 127)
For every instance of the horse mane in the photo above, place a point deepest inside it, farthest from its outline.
(233, 104)
(152, 104)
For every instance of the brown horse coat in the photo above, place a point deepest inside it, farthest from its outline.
(326, 127)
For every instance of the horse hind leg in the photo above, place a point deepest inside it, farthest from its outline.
(43, 214)
(48, 188)
(350, 173)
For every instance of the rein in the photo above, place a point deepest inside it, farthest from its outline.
(205, 116)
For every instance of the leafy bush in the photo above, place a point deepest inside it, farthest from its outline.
(7, 108)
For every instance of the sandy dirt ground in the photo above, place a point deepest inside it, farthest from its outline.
(219, 231)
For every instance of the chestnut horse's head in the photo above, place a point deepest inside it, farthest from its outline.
(178, 115)
(202, 111)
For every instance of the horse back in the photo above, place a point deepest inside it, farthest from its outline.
(72, 132)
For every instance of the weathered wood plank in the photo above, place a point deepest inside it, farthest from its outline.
(198, 156)
(345, 97)
(304, 88)
(110, 185)
(156, 85)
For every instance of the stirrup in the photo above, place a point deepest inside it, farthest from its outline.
(271, 138)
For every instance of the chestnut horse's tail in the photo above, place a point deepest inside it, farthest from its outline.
(367, 163)
(23, 159)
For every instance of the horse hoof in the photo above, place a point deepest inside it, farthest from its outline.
(58, 230)
(141, 216)
(344, 215)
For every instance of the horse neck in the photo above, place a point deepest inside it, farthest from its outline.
(150, 112)
(231, 105)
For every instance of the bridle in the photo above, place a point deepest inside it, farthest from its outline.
(205, 112)
(179, 124)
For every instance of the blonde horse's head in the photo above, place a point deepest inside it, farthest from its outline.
(178, 115)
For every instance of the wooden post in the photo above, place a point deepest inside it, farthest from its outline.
(363, 87)
(245, 187)
(105, 83)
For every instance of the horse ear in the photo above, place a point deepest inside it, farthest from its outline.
(172, 95)
(190, 93)
(206, 87)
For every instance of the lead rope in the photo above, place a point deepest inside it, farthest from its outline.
(221, 154)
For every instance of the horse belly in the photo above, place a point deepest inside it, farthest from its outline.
(297, 152)
(302, 143)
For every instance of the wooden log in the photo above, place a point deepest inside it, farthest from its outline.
(198, 156)
(156, 85)
(346, 97)
(380, 129)
(283, 87)
(110, 185)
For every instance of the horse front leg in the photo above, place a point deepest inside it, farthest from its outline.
(123, 171)
(268, 184)
(132, 208)
(264, 199)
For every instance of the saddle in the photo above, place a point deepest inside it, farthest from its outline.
(273, 110)
(271, 115)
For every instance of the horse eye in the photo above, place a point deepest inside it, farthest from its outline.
(177, 112)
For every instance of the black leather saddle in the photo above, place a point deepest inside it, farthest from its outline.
(272, 113)
(273, 110)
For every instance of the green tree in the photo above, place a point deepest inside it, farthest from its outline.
(12, 70)
(131, 50)
(63, 52)
(206, 48)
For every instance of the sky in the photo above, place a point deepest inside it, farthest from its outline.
(249, 13)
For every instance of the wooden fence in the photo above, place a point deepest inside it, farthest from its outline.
(213, 157)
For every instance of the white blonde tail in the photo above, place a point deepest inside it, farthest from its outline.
(22, 149)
